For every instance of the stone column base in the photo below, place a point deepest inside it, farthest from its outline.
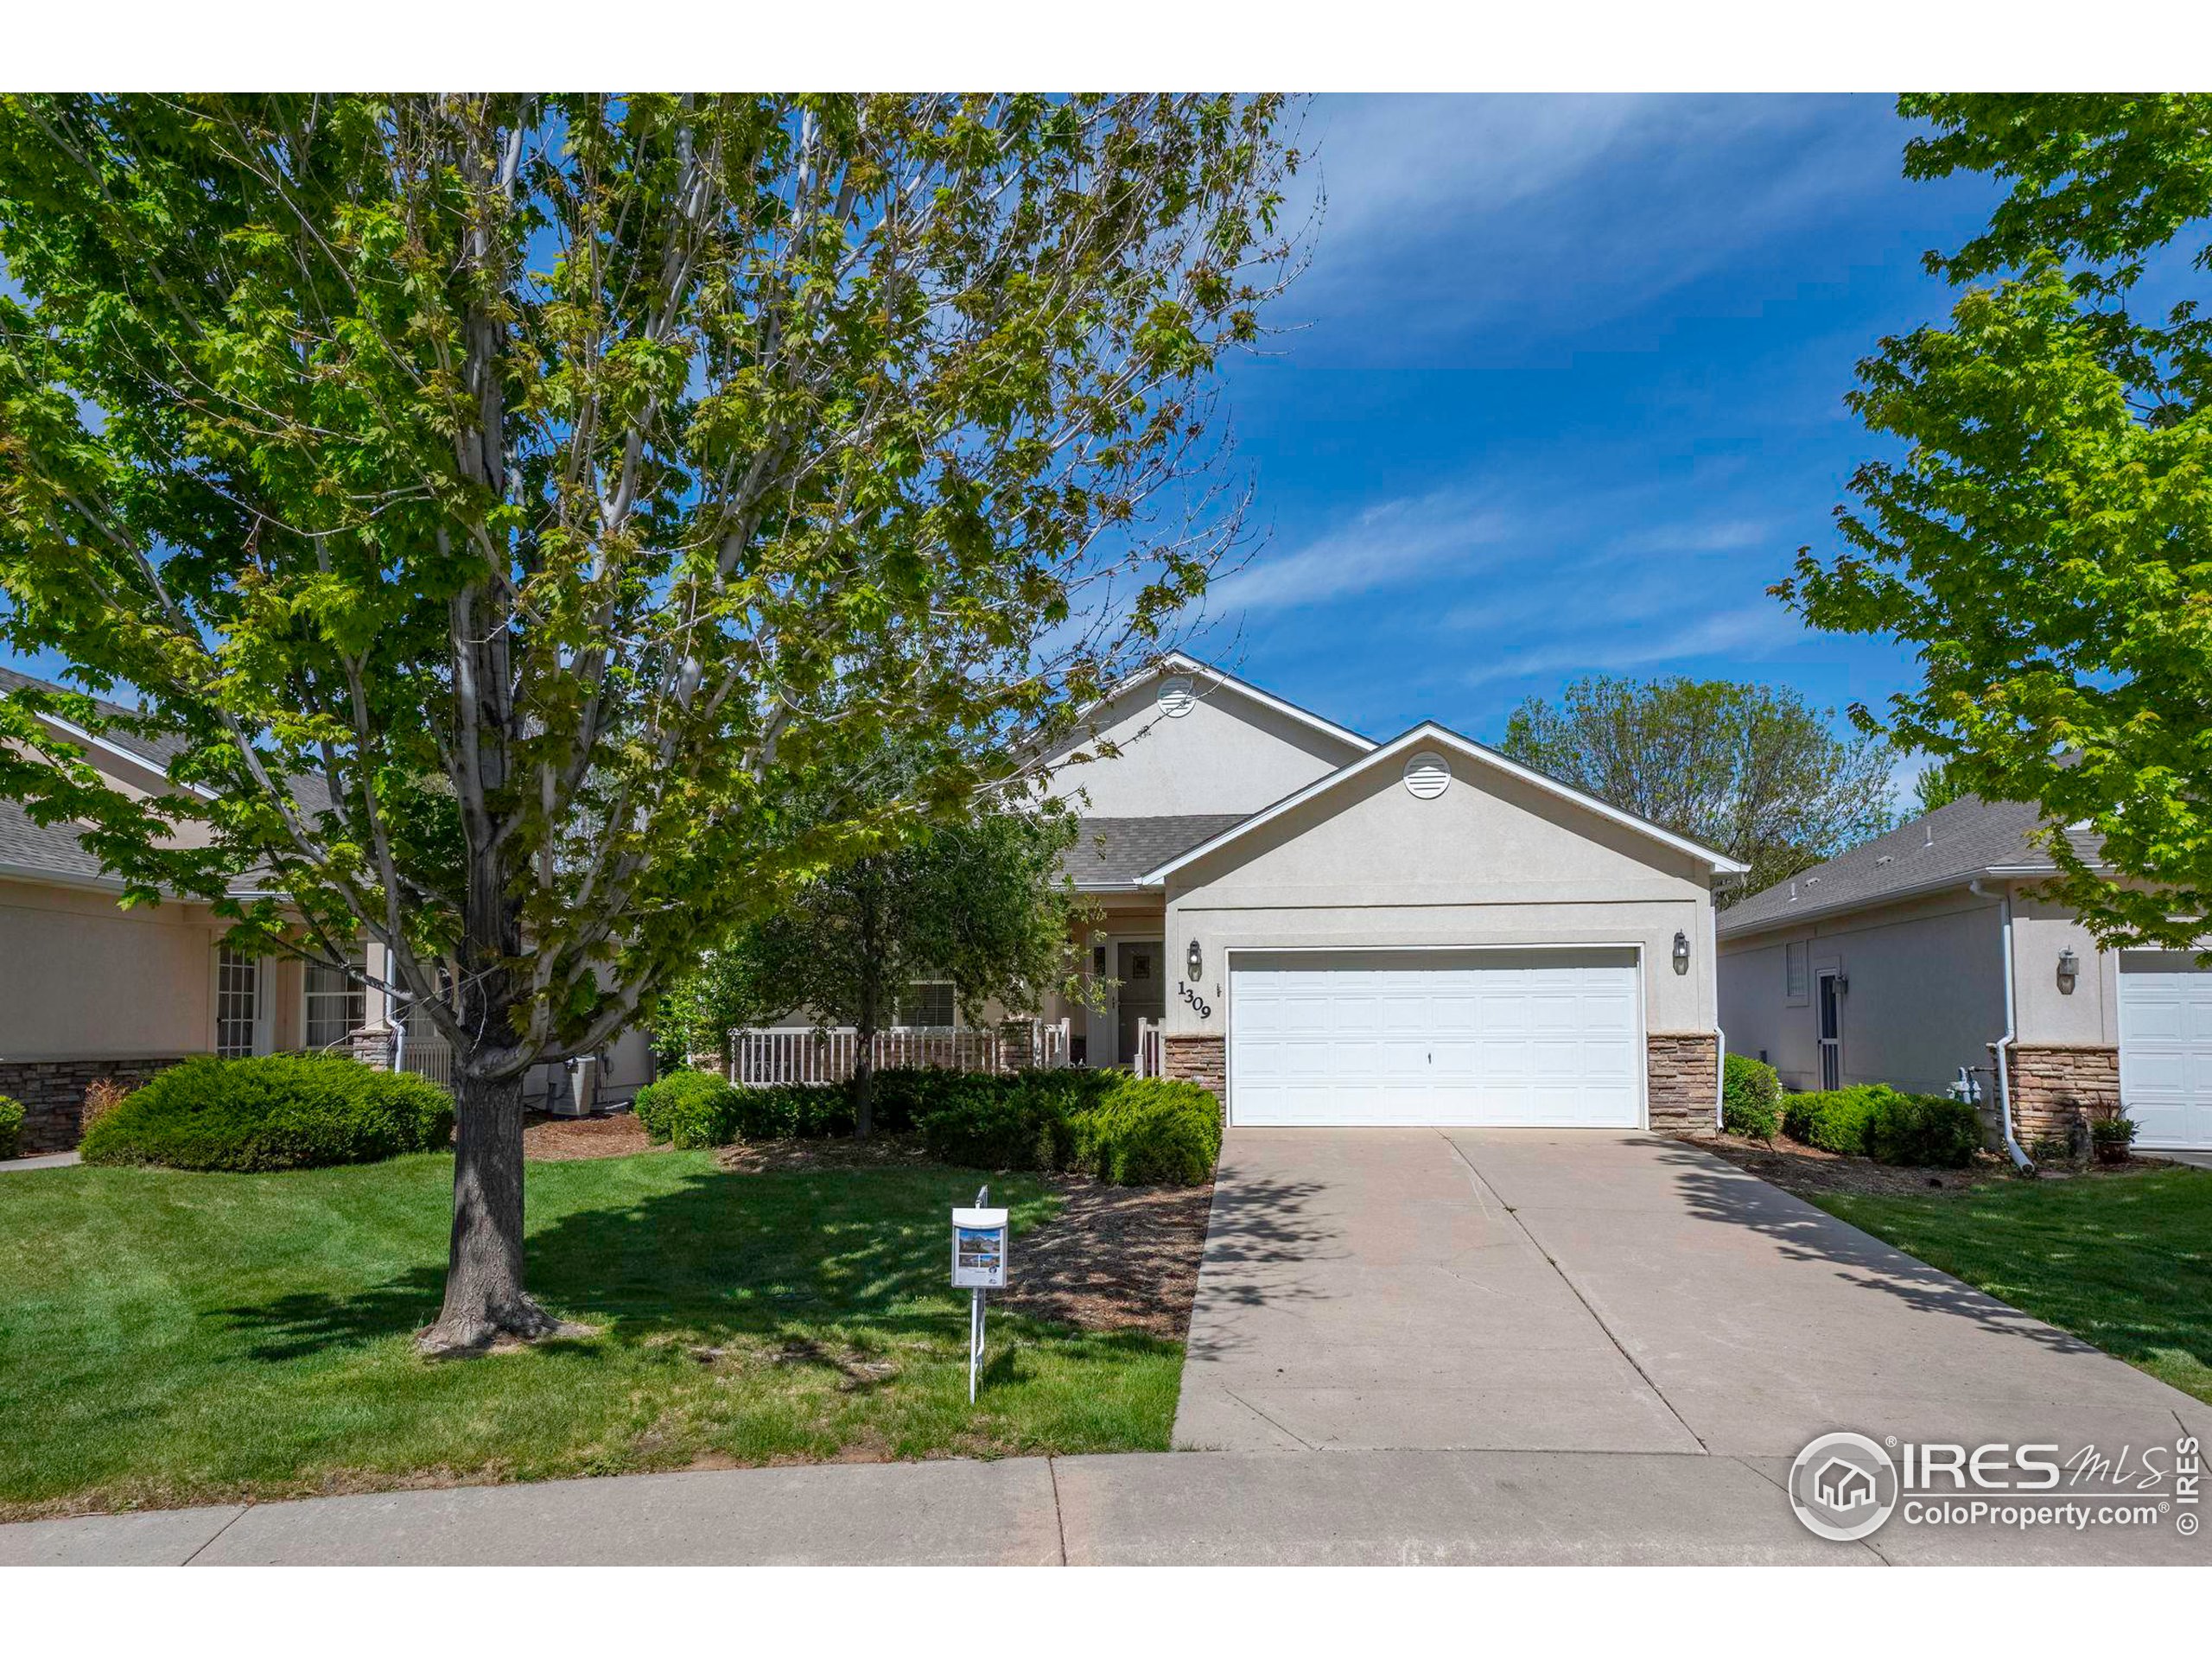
(1202, 1060)
(53, 1095)
(1017, 1045)
(374, 1045)
(2056, 1086)
(1682, 1071)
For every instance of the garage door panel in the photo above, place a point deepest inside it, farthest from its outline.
(1529, 1039)
(2165, 1049)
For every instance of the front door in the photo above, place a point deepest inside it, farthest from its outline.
(1143, 994)
(1829, 995)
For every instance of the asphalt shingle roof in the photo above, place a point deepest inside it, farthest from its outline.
(1114, 852)
(156, 752)
(1950, 846)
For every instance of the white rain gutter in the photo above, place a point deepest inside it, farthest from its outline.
(1721, 1082)
(2020, 1160)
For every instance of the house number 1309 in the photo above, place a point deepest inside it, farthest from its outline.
(1205, 1007)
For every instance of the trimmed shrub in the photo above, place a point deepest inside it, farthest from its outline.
(1751, 1097)
(1931, 1130)
(275, 1111)
(1150, 1131)
(1834, 1120)
(1001, 1123)
(794, 1111)
(690, 1108)
(1872, 1120)
(11, 1126)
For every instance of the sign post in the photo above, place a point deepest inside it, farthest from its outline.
(978, 1264)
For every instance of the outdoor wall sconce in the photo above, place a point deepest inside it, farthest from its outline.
(2069, 970)
(1195, 960)
(1682, 953)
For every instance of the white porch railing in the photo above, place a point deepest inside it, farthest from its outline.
(1146, 1059)
(429, 1056)
(761, 1056)
(1049, 1043)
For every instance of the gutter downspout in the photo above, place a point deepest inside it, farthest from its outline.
(1721, 1082)
(2020, 1160)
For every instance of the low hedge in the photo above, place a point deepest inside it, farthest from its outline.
(275, 1111)
(1872, 1120)
(1751, 1097)
(1128, 1130)
(11, 1126)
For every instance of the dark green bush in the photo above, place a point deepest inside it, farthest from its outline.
(1934, 1131)
(690, 1108)
(1001, 1123)
(1751, 1097)
(793, 1111)
(11, 1126)
(1149, 1131)
(275, 1111)
(1872, 1120)
(1115, 1126)
(1834, 1120)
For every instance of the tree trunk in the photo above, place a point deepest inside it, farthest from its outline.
(864, 1061)
(484, 1299)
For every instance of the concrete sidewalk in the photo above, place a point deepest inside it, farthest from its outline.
(1167, 1509)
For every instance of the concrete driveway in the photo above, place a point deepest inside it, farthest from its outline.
(1536, 1290)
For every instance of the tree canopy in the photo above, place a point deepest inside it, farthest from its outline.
(2042, 529)
(509, 504)
(981, 903)
(1751, 771)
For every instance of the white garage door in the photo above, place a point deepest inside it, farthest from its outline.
(1521, 1036)
(2165, 1048)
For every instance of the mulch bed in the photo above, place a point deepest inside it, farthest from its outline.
(563, 1140)
(1117, 1258)
(1803, 1169)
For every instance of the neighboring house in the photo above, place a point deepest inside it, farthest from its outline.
(91, 991)
(1324, 929)
(1920, 954)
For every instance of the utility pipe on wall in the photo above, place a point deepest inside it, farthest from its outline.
(2020, 1159)
(1721, 1082)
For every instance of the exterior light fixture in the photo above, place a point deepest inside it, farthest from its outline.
(2070, 969)
(1682, 953)
(1195, 960)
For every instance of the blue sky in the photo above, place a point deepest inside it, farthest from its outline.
(1561, 394)
(1564, 395)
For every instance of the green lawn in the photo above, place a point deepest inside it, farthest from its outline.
(2124, 1262)
(169, 1337)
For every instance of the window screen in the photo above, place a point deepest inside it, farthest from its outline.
(1797, 986)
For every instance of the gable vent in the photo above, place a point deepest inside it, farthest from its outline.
(1428, 776)
(1176, 698)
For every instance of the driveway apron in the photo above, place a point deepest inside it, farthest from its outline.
(1601, 1291)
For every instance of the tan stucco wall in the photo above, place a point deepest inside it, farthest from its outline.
(2089, 1014)
(1228, 754)
(1492, 860)
(82, 979)
(1925, 993)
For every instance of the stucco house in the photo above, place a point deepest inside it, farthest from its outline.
(89, 990)
(1921, 954)
(1326, 930)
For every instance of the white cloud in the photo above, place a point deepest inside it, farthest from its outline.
(1386, 546)
(1753, 630)
(1722, 535)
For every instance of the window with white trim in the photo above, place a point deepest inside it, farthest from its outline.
(928, 1002)
(237, 1003)
(1796, 973)
(337, 1003)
